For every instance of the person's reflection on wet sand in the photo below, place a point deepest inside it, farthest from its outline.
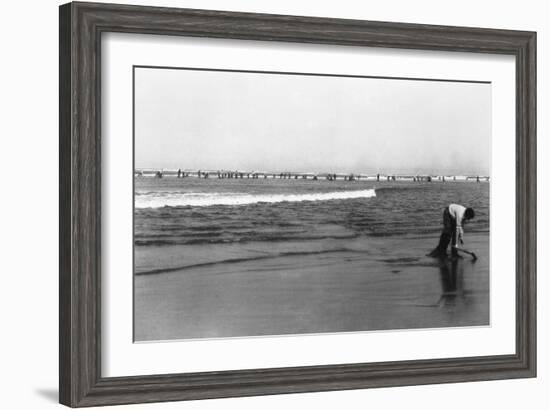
(451, 275)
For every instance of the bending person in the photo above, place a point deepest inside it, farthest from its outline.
(454, 218)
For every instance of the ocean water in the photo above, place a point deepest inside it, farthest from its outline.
(189, 211)
(231, 258)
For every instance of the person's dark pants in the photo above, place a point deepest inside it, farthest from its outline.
(448, 235)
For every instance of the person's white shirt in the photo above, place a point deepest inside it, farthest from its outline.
(457, 212)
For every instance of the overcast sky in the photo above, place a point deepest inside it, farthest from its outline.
(193, 119)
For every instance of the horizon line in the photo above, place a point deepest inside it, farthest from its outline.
(278, 172)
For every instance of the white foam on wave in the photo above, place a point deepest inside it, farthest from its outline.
(152, 200)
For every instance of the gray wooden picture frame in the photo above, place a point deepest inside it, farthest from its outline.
(81, 26)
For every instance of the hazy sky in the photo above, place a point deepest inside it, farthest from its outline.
(248, 121)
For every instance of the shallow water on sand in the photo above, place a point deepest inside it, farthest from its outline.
(304, 266)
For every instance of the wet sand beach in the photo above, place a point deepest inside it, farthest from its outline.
(296, 287)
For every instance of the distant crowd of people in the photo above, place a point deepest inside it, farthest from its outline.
(315, 177)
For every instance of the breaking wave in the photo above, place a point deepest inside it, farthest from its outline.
(172, 199)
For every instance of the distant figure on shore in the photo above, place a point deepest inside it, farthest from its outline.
(179, 173)
(159, 174)
(454, 218)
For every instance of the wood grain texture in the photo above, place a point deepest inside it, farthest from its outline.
(81, 25)
(65, 357)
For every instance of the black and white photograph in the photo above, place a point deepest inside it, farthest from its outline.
(283, 203)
